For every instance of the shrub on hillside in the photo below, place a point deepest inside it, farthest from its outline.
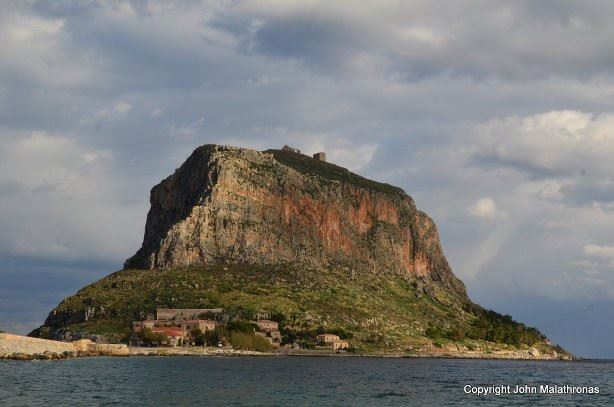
(433, 332)
(212, 338)
(147, 335)
(241, 326)
(494, 327)
(456, 334)
(199, 337)
(245, 341)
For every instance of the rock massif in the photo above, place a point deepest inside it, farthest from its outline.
(227, 204)
(307, 242)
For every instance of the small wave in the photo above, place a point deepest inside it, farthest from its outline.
(388, 394)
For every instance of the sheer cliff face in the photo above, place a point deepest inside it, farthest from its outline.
(227, 204)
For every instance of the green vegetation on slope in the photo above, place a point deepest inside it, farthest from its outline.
(490, 326)
(308, 165)
(153, 338)
(375, 312)
(245, 341)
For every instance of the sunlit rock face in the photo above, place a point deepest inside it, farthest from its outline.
(227, 204)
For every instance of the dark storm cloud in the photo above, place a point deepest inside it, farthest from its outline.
(523, 40)
(313, 41)
(31, 287)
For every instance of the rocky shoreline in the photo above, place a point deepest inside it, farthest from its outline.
(17, 347)
(510, 355)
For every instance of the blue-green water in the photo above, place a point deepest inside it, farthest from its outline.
(283, 381)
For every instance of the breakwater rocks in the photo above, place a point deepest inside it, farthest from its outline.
(520, 354)
(25, 348)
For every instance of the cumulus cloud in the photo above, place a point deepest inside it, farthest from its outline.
(122, 107)
(552, 143)
(484, 208)
(565, 151)
(606, 252)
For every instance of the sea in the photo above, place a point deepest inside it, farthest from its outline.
(303, 381)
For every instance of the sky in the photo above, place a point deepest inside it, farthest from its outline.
(496, 117)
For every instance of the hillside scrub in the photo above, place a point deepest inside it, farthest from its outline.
(244, 341)
(372, 311)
